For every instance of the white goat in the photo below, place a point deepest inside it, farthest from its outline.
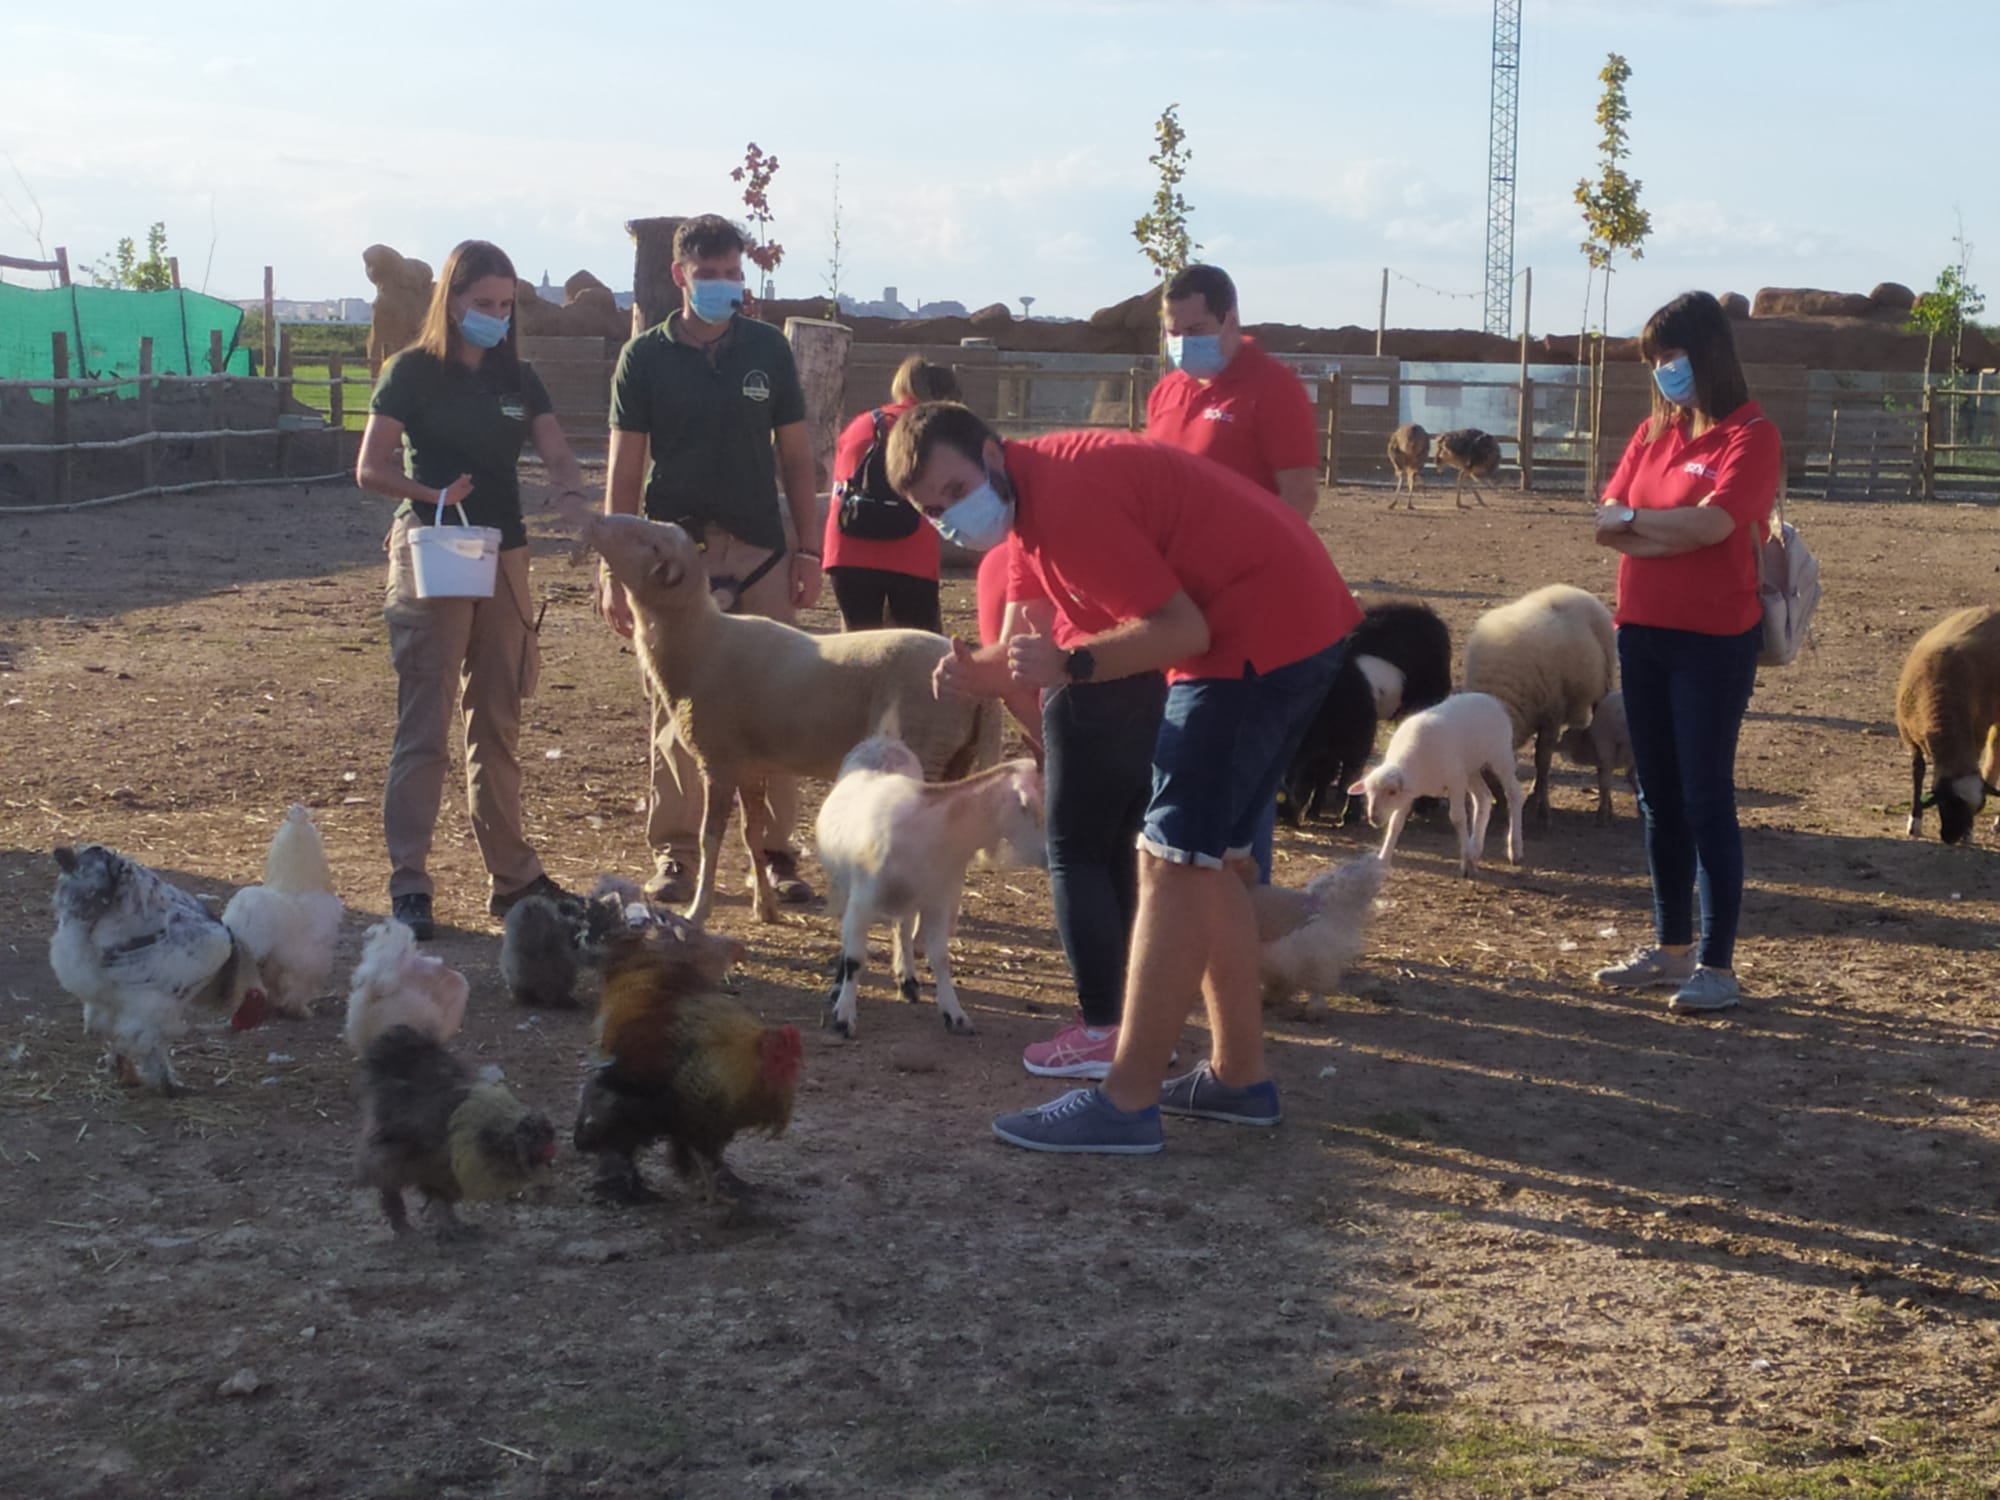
(1442, 752)
(895, 846)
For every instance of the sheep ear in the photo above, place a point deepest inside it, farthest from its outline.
(66, 859)
(1359, 789)
(668, 573)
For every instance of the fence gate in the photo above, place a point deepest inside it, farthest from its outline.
(1874, 453)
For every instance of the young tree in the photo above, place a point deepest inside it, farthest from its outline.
(1613, 221)
(834, 260)
(755, 174)
(1163, 233)
(124, 269)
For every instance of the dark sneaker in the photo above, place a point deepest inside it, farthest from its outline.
(1203, 1096)
(414, 912)
(668, 887)
(499, 905)
(1083, 1120)
(782, 870)
(1706, 990)
(1649, 968)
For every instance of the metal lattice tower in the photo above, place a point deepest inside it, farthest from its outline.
(1502, 135)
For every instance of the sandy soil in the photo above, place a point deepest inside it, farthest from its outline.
(1517, 1236)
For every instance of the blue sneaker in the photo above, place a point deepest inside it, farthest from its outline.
(1083, 1120)
(1205, 1097)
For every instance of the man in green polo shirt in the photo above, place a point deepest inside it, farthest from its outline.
(707, 414)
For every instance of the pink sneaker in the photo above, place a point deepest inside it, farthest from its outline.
(1077, 1051)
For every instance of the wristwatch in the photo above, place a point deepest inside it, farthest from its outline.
(1620, 515)
(1079, 664)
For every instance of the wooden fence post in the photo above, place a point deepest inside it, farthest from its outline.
(149, 457)
(284, 390)
(1928, 487)
(216, 417)
(1132, 404)
(336, 407)
(59, 412)
(1526, 441)
(1330, 396)
(174, 270)
(62, 270)
(269, 361)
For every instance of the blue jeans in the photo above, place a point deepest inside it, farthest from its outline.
(1224, 745)
(1685, 697)
(1097, 740)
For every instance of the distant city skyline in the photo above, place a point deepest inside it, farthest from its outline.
(1779, 143)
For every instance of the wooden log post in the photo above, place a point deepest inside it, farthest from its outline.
(1526, 440)
(268, 360)
(819, 348)
(174, 270)
(62, 270)
(1928, 434)
(216, 415)
(59, 413)
(1330, 401)
(284, 390)
(654, 294)
(149, 457)
(1135, 409)
(336, 407)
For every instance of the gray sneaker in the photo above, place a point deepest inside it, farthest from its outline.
(1203, 1096)
(1707, 989)
(1648, 969)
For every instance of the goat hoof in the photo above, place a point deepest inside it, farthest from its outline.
(958, 1025)
(910, 991)
(842, 1028)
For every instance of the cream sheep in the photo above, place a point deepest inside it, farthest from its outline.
(749, 696)
(1948, 707)
(1448, 751)
(1605, 746)
(1550, 658)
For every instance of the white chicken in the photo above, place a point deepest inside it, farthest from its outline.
(291, 922)
(140, 953)
(1306, 939)
(395, 985)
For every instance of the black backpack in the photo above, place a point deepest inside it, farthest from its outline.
(868, 508)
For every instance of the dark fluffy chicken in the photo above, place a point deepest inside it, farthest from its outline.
(426, 1124)
(681, 1065)
(538, 951)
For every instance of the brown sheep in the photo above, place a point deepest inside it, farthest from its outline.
(1409, 451)
(1476, 456)
(1948, 707)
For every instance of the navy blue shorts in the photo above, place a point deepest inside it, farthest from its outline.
(1221, 754)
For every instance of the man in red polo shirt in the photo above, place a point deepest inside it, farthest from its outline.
(1153, 559)
(1228, 400)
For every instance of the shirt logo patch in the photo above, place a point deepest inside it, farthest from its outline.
(757, 386)
(514, 411)
(1218, 414)
(1698, 469)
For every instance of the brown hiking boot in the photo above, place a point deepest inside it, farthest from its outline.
(668, 885)
(782, 870)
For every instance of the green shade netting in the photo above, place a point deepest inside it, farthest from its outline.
(104, 325)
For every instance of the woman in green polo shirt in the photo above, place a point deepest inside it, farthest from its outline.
(458, 403)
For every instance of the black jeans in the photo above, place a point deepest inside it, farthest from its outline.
(866, 594)
(1097, 739)
(1685, 697)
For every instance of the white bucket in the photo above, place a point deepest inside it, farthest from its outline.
(454, 562)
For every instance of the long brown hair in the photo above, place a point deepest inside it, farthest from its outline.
(1695, 323)
(917, 379)
(469, 261)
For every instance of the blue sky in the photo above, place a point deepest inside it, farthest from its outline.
(989, 150)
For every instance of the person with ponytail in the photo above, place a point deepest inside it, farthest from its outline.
(449, 417)
(1687, 507)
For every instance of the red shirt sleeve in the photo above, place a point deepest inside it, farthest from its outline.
(1616, 487)
(1288, 424)
(1746, 475)
(1024, 584)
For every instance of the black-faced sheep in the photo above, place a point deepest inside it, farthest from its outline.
(1948, 708)
(1409, 451)
(1476, 456)
(1398, 661)
(1550, 657)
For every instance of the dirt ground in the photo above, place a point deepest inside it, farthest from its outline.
(1516, 1236)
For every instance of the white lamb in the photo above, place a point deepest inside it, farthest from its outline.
(1605, 746)
(1549, 657)
(1442, 752)
(893, 845)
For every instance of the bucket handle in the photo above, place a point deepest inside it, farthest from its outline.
(458, 506)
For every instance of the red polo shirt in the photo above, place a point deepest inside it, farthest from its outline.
(1734, 466)
(1255, 417)
(916, 554)
(991, 589)
(1110, 526)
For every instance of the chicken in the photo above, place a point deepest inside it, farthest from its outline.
(538, 951)
(618, 915)
(1307, 938)
(426, 1124)
(395, 985)
(681, 1065)
(290, 922)
(140, 954)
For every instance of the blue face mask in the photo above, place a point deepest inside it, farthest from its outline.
(482, 330)
(1199, 354)
(1675, 379)
(979, 522)
(715, 300)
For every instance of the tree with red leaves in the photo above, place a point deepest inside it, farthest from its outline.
(755, 174)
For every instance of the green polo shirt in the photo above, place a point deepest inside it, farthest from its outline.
(457, 420)
(710, 419)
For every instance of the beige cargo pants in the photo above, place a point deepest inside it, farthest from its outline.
(674, 806)
(482, 655)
